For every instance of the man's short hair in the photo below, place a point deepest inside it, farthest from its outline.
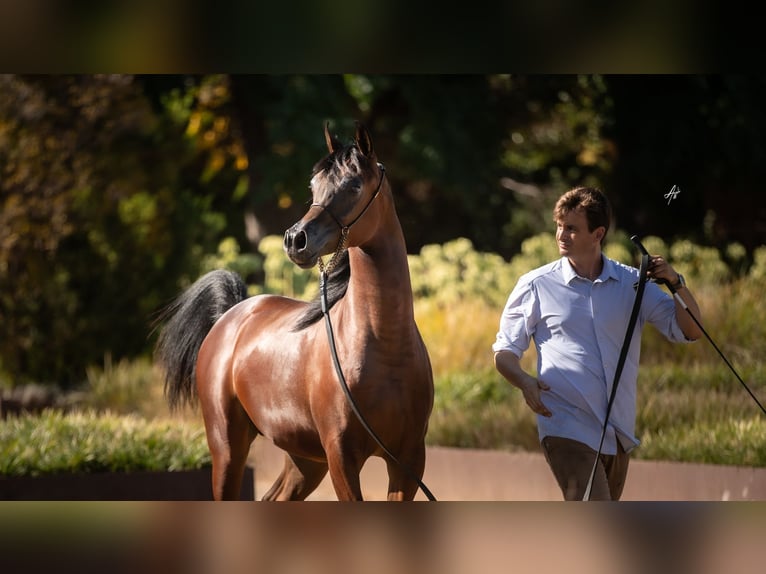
(592, 202)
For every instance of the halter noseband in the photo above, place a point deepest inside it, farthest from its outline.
(345, 229)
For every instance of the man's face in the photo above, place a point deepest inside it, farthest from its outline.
(573, 238)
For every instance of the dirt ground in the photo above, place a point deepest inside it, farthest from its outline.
(472, 475)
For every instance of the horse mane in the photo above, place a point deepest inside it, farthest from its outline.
(337, 284)
(336, 164)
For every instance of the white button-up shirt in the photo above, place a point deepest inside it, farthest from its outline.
(578, 327)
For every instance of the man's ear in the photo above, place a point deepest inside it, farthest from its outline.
(600, 233)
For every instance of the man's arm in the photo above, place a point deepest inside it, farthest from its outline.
(508, 365)
(661, 269)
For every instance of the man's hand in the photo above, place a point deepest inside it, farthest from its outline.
(531, 388)
(508, 365)
(661, 271)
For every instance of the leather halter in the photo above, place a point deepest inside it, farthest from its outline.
(345, 229)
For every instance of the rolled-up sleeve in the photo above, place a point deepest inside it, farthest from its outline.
(518, 320)
(661, 312)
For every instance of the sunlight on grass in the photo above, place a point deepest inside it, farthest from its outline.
(732, 441)
(92, 441)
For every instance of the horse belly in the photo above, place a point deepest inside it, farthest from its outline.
(288, 426)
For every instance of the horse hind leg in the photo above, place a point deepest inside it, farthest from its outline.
(298, 479)
(229, 435)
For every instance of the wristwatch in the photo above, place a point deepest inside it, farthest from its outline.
(680, 283)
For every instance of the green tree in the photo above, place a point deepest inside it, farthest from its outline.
(96, 226)
(115, 191)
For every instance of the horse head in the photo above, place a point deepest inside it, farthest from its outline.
(344, 186)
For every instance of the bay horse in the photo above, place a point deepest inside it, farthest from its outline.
(262, 365)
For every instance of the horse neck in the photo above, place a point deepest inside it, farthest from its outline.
(380, 286)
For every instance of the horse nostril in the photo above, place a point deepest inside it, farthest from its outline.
(300, 240)
(295, 241)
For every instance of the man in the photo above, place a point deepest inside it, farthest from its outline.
(577, 309)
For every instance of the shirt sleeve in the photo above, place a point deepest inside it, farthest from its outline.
(661, 312)
(517, 323)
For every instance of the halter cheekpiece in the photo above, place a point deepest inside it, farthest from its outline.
(345, 229)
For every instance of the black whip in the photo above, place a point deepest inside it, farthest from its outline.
(620, 363)
(683, 304)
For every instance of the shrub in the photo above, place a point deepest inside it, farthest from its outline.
(480, 410)
(127, 387)
(282, 275)
(90, 442)
(758, 270)
(229, 257)
(698, 262)
(455, 272)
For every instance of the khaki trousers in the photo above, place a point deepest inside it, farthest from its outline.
(572, 462)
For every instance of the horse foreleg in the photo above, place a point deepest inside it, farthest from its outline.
(344, 472)
(401, 484)
(298, 479)
(229, 437)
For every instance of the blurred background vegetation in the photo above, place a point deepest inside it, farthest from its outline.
(117, 191)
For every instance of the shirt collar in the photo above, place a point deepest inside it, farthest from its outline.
(608, 270)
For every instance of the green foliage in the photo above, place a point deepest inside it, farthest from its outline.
(698, 262)
(619, 252)
(535, 251)
(116, 190)
(229, 257)
(455, 272)
(733, 315)
(271, 267)
(459, 335)
(89, 442)
(282, 276)
(731, 441)
(480, 410)
(758, 270)
(96, 224)
(679, 401)
(558, 140)
(124, 388)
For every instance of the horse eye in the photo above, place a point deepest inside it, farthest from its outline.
(353, 186)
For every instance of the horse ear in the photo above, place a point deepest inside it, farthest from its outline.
(332, 142)
(363, 140)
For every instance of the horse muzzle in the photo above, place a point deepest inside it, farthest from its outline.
(296, 245)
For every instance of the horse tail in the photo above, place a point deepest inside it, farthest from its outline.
(187, 321)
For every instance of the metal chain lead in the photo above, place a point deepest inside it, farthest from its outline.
(335, 256)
